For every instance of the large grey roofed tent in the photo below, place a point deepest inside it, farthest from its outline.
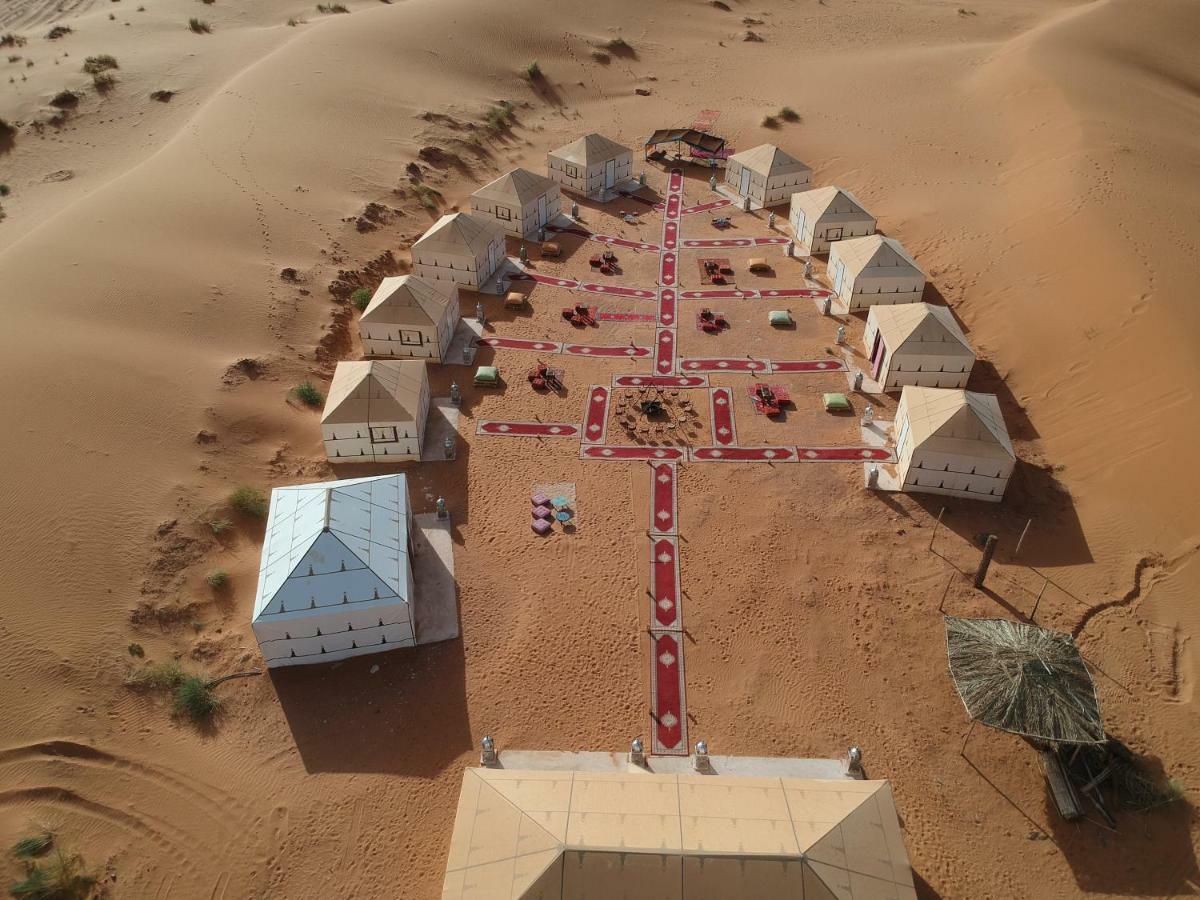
(1023, 679)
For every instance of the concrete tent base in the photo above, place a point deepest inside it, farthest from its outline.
(754, 766)
(466, 334)
(876, 435)
(442, 423)
(435, 603)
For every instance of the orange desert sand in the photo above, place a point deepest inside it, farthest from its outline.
(1037, 157)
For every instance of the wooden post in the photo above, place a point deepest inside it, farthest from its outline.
(935, 526)
(1021, 539)
(989, 550)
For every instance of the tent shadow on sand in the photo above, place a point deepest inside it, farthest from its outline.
(409, 718)
(1152, 855)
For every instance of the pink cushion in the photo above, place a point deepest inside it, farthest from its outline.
(541, 526)
(542, 512)
(539, 500)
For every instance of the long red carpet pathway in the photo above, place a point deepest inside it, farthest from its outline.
(624, 351)
(527, 429)
(668, 704)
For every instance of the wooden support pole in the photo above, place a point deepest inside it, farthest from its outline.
(1021, 539)
(935, 526)
(989, 550)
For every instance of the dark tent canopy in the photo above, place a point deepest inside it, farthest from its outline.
(697, 140)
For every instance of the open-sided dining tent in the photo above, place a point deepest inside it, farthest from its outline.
(827, 214)
(335, 579)
(520, 200)
(376, 411)
(409, 316)
(572, 835)
(459, 249)
(592, 165)
(874, 270)
(919, 344)
(766, 174)
(701, 144)
(952, 442)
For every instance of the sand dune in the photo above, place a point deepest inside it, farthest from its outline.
(1038, 158)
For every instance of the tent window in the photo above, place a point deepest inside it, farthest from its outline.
(571, 171)
(414, 338)
(385, 434)
(503, 212)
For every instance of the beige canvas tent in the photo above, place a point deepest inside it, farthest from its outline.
(919, 344)
(873, 270)
(824, 215)
(459, 249)
(766, 174)
(376, 411)
(952, 442)
(592, 165)
(520, 200)
(409, 316)
(572, 835)
(336, 577)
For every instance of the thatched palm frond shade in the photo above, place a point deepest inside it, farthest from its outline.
(1023, 679)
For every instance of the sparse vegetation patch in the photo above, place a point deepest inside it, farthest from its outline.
(249, 502)
(307, 393)
(199, 26)
(361, 298)
(95, 64)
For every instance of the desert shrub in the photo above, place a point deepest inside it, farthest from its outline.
(789, 115)
(331, 8)
(15, 57)
(208, 2)
(58, 31)
(292, 23)
(65, 100)
(162, 96)
(618, 44)
(4, 190)
(308, 394)
(104, 81)
(136, 650)
(7, 129)
(199, 26)
(500, 116)
(61, 877)
(533, 71)
(101, 63)
(249, 502)
(195, 699)
(164, 676)
(770, 122)
(429, 198)
(33, 845)
(361, 298)
(12, 40)
(220, 526)
(217, 579)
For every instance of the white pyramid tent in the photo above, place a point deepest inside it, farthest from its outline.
(824, 215)
(918, 344)
(335, 579)
(766, 174)
(873, 270)
(571, 835)
(592, 165)
(953, 442)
